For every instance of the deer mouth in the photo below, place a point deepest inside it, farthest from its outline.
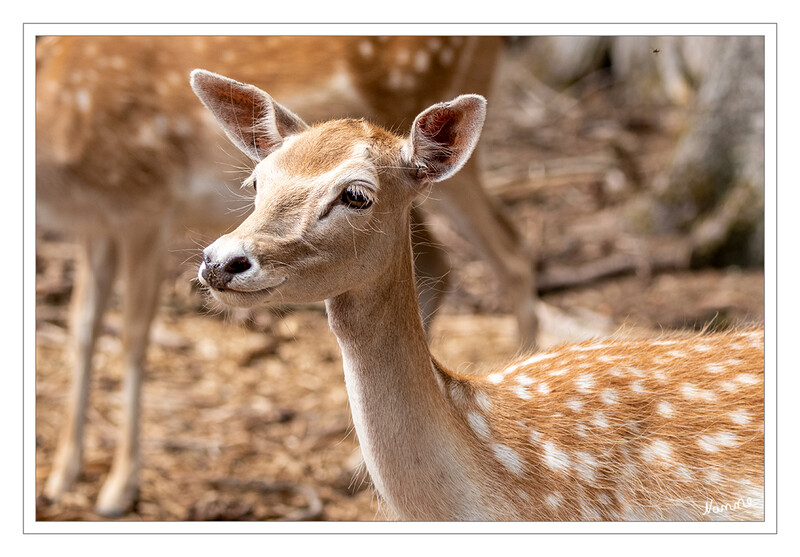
(243, 298)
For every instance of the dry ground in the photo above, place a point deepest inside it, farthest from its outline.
(251, 422)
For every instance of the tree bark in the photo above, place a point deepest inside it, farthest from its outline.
(714, 191)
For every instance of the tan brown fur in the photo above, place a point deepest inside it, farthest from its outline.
(315, 157)
(641, 393)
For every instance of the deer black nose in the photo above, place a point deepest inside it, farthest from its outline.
(219, 275)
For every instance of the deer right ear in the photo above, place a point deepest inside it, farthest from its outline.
(252, 119)
(444, 136)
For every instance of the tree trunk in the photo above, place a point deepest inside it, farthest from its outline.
(714, 191)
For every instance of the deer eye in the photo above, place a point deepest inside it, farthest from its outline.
(355, 197)
(251, 182)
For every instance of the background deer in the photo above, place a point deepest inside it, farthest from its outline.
(664, 429)
(126, 156)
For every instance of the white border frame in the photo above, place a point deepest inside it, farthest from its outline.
(769, 31)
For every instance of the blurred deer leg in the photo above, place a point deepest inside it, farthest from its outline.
(142, 257)
(464, 199)
(431, 268)
(95, 277)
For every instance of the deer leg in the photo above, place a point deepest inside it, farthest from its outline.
(142, 258)
(464, 199)
(96, 266)
(431, 269)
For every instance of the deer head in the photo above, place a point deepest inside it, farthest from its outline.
(331, 200)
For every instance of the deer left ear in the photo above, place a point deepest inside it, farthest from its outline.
(444, 136)
(251, 118)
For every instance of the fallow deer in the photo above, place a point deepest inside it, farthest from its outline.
(618, 429)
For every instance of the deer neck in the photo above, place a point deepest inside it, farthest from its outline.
(409, 437)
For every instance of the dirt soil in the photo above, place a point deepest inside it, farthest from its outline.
(248, 419)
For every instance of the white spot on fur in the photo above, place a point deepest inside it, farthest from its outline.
(689, 391)
(694, 393)
(740, 417)
(713, 477)
(523, 380)
(756, 340)
(746, 379)
(588, 347)
(544, 388)
(702, 347)
(637, 387)
(584, 383)
(365, 49)
(446, 56)
(483, 401)
(554, 500)
(575, 405)
(659, 449)
(83, 100)
(422, 61)
(535, 436)
(659, 375)
(508, 458)
(510, 369)
(756, 335)
(522, 392)
(150, 132)
(714, 442)
(176, 78)
(636, 371)
(494, 378)
(538, 358)
(599, 420)
(664, 342)
(665, 409)
(183, 126)
(728, 386)
(403, 55)
(558, 371)
(586, 466)
(395, 78)
(478, 424)
(608, 396)
(556, 459)
(715, 368)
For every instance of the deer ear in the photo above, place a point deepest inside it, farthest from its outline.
(444, 136)
(252, 119)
